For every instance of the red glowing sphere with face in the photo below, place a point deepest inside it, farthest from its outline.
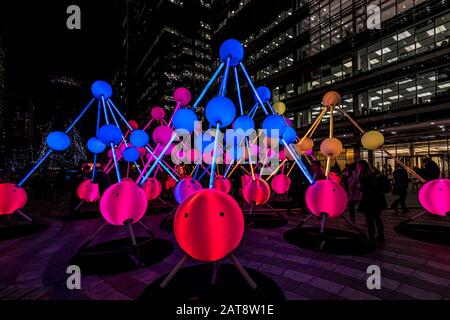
(434, 196)
(280, 184)
(185, 188)
(208, 225)
(326, 196)
(133, 124)
(12, 198)
(170, 183)
(152, 188)
(256, 191)
(88, 191)
(221, 183)
(123, 202)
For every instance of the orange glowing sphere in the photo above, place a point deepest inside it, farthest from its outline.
(331, 99)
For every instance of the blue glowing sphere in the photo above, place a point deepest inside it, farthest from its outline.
(109, 133)
(220, 110)
(234, 49)
(264, 93)
(58, 141)
(94, 145)
(101, 88)
(244, 122)
(272, 123)
(289, 135)
(139, 138)
(184, 119)
(131, 154)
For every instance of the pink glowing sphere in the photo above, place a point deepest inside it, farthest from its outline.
(434, 196)
(281, 155)
(208, 225)
(117, 152)
(12, 198)
(326, 196)
(142, 151)
(123, 202)
(152, 188)
(309, 152)
(182, 95)
(162, 135)
(157, 113)
(88, 191)
(185, 188)
(280, 184)
(221, 183)
(256, 192)
(245, 179)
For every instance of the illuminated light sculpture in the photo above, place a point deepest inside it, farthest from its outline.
(279, 108)
(158, 113)
(122, 203)
(326, 197)
(13, 198)
(185, 188)
(88, 191)
(434, 197)
(331, 147)
(280, 184)
(152, 188)
(372, 140)
(306, 144)
(256, 192)
(222, 183)
(209, 225)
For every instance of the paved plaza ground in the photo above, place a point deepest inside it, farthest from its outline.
(410, 269)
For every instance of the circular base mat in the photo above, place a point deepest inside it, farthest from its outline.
(193, 284)
(119, 255)
(84, 215)
(264, 220)
(167, 224)
(333, 241)
(436, 234)
(21, 230)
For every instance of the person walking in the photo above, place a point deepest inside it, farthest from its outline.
(373, 200)
(353, 190)
(431, 170)
(400, 189)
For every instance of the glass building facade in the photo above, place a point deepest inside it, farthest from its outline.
(389, 59)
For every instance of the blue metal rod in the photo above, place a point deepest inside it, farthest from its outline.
(80, 115)
(270, 106)
(228, 169)
(299, 163)
(214, 158)
(120, 115)
(146, 147)
(223, 86)
(252, 112)
(99, 113)
(34, 168)
(200, 97)
(104, 110)
(249, 80)
(196, 171)
(204, 172)
(149, 172)
(238, 89)
(116, 164)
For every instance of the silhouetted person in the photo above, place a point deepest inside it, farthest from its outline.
(431, 170)
(353, 190)
(401, 181)
(317, 171)
(101, 178)
(296, 190)
(336, 168)
(373, 200)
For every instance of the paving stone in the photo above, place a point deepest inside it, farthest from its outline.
(417, 293)
(297, 276)
(353, 294)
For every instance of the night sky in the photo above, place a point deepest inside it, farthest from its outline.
(38, 43)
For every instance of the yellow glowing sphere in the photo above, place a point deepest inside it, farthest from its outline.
(306, 144)
(279, 107)
(331, 147)
(331, 99)
(372, 140)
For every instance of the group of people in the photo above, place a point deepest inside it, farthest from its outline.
(366, 188)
